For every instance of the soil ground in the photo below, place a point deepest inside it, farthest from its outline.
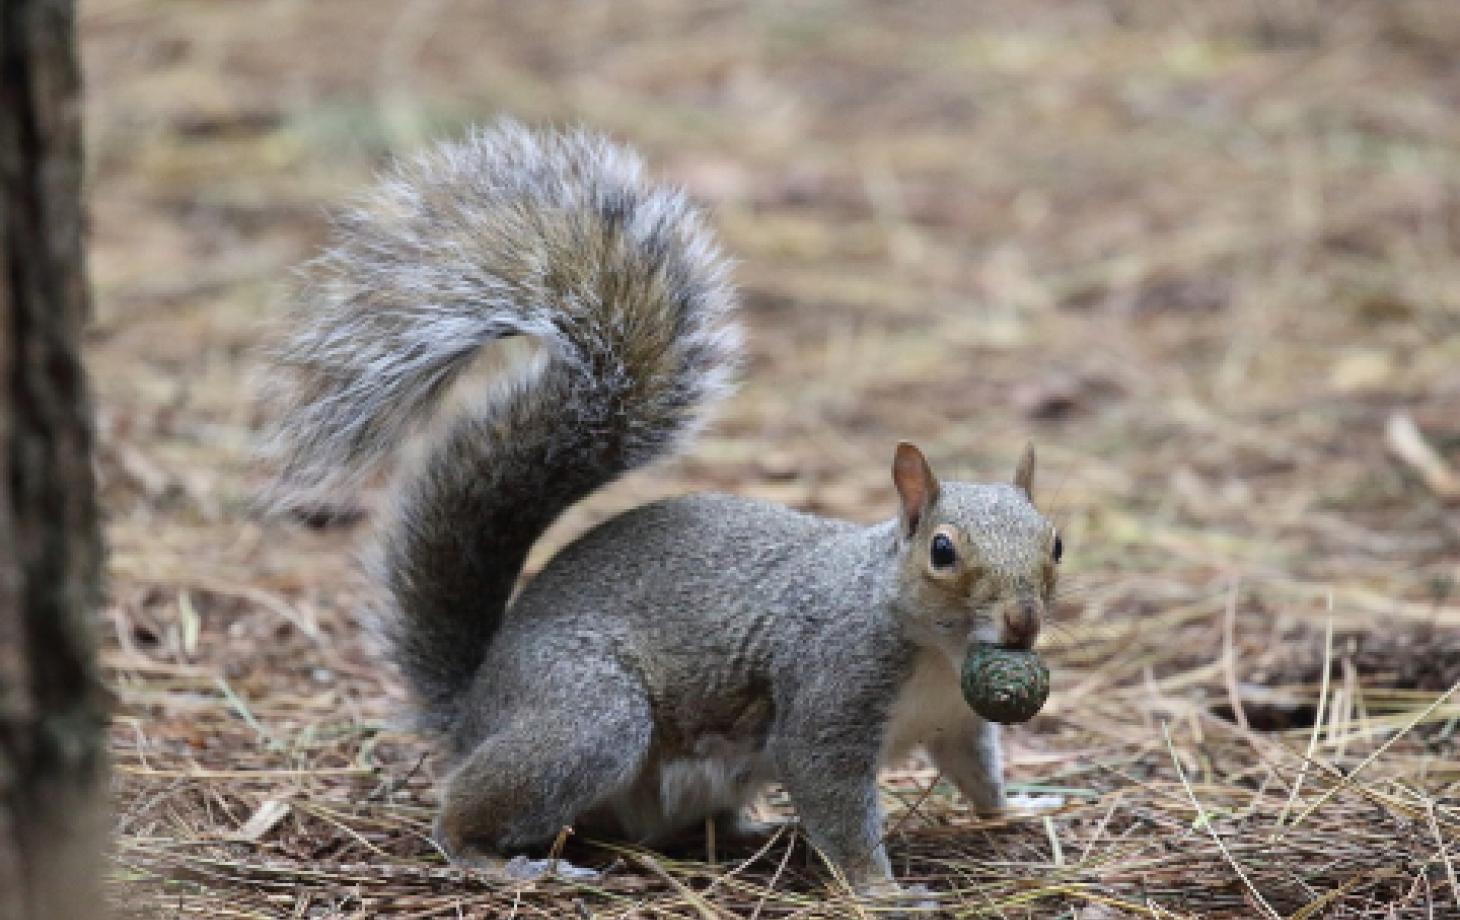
(1203, 253)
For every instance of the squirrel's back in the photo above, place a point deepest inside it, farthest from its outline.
(558, 236)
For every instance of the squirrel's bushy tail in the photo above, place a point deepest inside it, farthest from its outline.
(508, 232)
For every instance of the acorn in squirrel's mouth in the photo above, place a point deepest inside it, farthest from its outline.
(1004, 685)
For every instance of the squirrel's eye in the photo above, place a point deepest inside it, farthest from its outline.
(1059, 548)
(942, 552)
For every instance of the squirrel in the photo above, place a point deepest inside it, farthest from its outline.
(668, 665)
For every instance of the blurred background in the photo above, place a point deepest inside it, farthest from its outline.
(1203, 253)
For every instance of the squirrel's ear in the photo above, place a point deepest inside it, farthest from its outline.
(916, 484)
(1024, 473)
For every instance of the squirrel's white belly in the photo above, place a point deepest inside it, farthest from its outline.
(696, 788)
(720, 775)
(928, 705)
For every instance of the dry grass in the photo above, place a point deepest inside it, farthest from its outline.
(1202, 252)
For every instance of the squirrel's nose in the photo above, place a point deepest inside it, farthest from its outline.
(1021, 623)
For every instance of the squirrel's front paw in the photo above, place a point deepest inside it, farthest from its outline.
(990, 801)
(1036, 802)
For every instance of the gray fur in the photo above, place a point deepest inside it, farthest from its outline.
(667, 665)
(556, 236)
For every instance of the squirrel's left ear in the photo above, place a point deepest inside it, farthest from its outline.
(916, 485)
(1024, 473)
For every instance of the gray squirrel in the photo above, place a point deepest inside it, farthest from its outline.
(668, 665)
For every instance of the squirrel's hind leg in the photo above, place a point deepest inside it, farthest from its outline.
(547, 767)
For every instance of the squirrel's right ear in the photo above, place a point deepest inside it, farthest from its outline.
(1024, 473)
(916, 485)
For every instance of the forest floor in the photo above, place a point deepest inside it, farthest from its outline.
(1205, 254)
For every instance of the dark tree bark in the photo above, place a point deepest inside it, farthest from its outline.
(52, 764)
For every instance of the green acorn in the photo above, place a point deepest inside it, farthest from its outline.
(1004, 684)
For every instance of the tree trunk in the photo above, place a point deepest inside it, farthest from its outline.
(52, 764)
